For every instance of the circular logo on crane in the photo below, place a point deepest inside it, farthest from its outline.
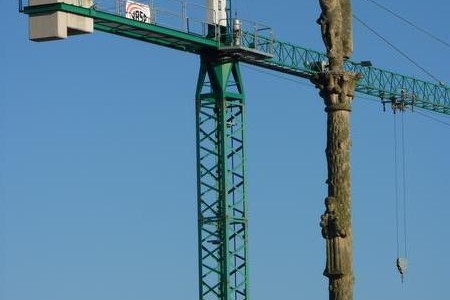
(137, 11)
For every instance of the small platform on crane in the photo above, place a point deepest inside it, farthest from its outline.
(248, 40)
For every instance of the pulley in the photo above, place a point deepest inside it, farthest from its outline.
(402, 266)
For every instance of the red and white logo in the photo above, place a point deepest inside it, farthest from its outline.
(137, 11)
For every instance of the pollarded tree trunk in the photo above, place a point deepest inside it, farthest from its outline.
(338, 158)
(337, 89)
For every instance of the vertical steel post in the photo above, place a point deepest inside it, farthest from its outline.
(229, 11)
(222, 203)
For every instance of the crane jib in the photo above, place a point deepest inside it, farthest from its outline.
(260, 50)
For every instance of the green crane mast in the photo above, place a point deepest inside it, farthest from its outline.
(220, 117)
(221, 199)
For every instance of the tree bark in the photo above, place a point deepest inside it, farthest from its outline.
(337, 89)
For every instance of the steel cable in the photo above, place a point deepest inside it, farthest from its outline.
(398, 50)
(426, 32)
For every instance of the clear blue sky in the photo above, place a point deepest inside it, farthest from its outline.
(98, 177)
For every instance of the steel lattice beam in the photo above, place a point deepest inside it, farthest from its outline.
(379, 83)
(286, 58)
(222, 203)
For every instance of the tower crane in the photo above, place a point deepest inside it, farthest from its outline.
(222, 42)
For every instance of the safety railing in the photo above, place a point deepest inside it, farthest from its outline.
(174, 14)
(83, 3)
(183, 16)
(248, 34)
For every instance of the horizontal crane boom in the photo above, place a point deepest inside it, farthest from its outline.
(383, 84)
(274, 54)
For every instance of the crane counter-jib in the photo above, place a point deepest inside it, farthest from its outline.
(186, 27)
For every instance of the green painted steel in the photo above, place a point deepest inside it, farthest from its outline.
(379, 83)
(119, 25)
(220, 99)
(286, 58)
(222, 201)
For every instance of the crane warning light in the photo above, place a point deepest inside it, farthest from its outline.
(58, 25)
